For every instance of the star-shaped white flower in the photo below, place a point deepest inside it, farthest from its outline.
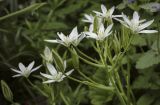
(101, 34)
(108, 14)
(25, 71)
(55, 76)
(72, 39)
(135, 24)
(47, 55)
(88, 18)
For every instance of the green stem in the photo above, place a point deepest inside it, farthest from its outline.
(87, 56)
(91, 63)
(64, 99)
(117, 90)
(158, 39)
(89, 79)
(121, 87)
(128, 83)
(34, 86)
(100, 53)
(52, 96)
(97, 85)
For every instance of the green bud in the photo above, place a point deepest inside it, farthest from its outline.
(6, 91)
(75, 58)
(58, 61)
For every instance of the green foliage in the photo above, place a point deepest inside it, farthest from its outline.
(139, 41)
(97, 96)
(145, 100)
(20, 12)
(148, 59)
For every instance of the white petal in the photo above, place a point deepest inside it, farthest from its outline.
(104, 9)
(74, 33)
(67, 73)
(84, 20)
(61, 42)
(49, 81)
(76, 42)
(141, 21)
(148, 31)
(101, 28)
(111, 10)
(87, 16)
(17, 71)
(91, 35)
(18, 75)
(108, 29)
(65, 64)
(51, 41)
(146, 24)
(47, 52)
(30, 66)
(62, 36)
(81, 36)
(47, 76)
(51, 69)
(122, 22)
(98, 13)
(91, 28)
(126, 19)
(135, 17)
(36, 68)
(114, 16)
(22, 67)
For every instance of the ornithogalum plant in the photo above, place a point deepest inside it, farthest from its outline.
(109, 44)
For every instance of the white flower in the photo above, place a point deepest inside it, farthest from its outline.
(25, 71)
(101, 34)
(88, 18)
(47, 55)
(55, 76)
(135, 24)
(108, 14)
(73, 38)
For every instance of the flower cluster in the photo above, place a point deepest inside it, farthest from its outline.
(54, 76)
(97, 29)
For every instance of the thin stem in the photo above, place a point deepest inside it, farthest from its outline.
(81, 73)
(117, 90)
(128, 82)
(121, 87)
(91, 63)
(100, 53)
(52, 96)
(41, 91)
(88, 57)
(97, 85)
(64, 99)
(158, 39)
